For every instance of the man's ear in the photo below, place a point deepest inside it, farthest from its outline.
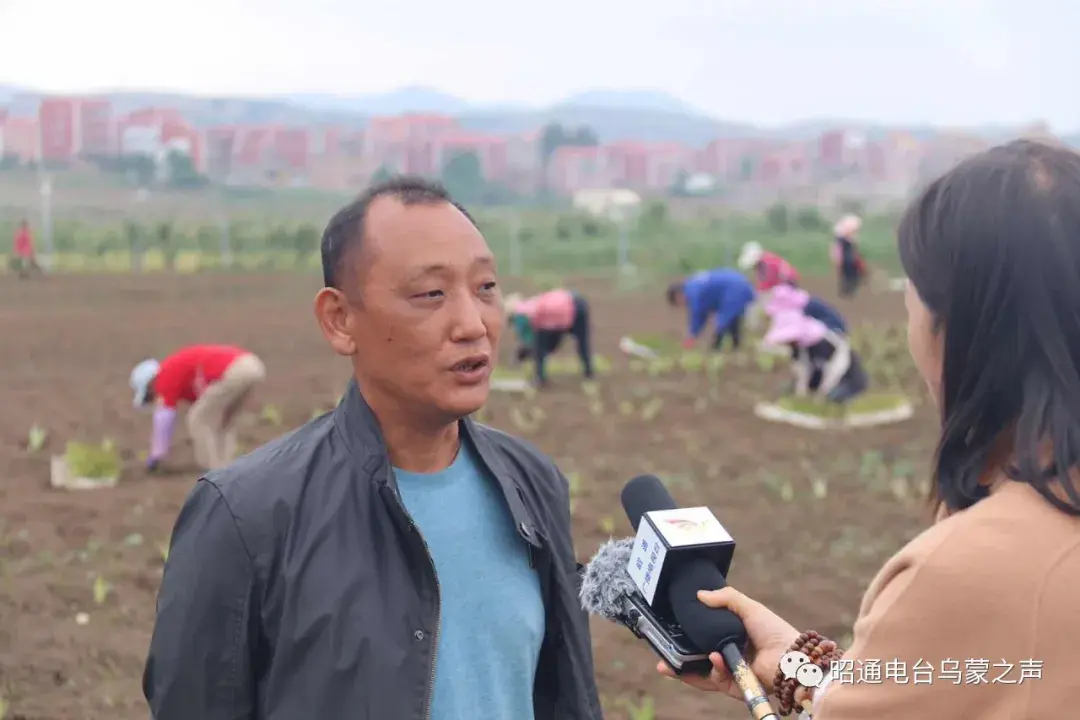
(333, 313)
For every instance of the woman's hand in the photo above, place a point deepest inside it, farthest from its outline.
(770, 637)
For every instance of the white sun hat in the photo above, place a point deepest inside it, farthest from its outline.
(141, 377)
(847, 226)
(750, 255)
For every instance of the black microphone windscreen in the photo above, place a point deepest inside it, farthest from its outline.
(708, 628)
(643, 494)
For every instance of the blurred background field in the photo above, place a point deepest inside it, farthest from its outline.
(113, 229)
(141, 282)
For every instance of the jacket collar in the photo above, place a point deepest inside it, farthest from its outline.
(359, 429)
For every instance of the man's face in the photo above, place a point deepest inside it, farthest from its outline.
(426, 328)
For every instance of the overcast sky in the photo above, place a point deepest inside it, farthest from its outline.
(954, 62)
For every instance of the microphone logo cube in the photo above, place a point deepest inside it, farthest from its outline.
(682, 532)
(646, 560)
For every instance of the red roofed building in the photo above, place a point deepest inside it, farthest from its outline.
(19, 138)
(72, 127)
(157, 131)
(407, 143)
(573, 168)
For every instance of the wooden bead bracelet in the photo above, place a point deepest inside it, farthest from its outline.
(822, 652)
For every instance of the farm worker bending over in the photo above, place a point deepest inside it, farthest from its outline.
(541, 322)
(849, 263)
(770, 269)
(723, 291)
(785, 298)
(824, 363)
(216, 379)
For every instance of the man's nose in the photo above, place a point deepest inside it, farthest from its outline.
(468, 321)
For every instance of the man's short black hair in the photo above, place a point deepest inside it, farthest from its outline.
(345, 231)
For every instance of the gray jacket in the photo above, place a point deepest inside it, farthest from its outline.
(297, 585)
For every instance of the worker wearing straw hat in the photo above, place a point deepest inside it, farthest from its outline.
(542, 321)
(217, 380)
(846, 256)
(770, 270)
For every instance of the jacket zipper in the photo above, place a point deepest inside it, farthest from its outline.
(438, 621)
(438, 606)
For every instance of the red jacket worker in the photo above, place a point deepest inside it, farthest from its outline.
(23, 250)
(770, 270)
(216, 379)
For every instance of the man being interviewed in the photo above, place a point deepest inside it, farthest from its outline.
(392, 559)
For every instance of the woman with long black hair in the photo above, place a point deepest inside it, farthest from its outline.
(984, 602)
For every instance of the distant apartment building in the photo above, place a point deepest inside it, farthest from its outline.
(408, 143)
(627, 164)
(337, 159)
(523, 163)
(259, 155)
(733, 160)
(571, 169)
(18, 138)
(490, 150)
(789, 165)
(666, 163)
(156, 132)
(72, 127)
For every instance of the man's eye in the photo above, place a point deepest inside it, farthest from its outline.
(489, 286)
(429, 295)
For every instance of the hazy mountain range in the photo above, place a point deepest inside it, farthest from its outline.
(648, 115)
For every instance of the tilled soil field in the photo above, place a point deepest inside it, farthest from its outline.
(814, 513)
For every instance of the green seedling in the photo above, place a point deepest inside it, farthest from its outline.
(573, 479)
(714, 364)
(645, 711)
(651, 409)
(36, 438)
(102, 588)
(271, 415)
(527, 421)
(692, 361)
(607, 524)
(163, 548)
(89, 461)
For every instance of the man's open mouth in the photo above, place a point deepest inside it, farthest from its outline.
(470, 364)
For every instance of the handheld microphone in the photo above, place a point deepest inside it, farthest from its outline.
(677, 552)
(608, 591)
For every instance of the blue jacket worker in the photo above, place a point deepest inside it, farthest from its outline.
(723, 291)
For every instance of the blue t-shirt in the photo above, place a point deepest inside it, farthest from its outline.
(492, 614)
